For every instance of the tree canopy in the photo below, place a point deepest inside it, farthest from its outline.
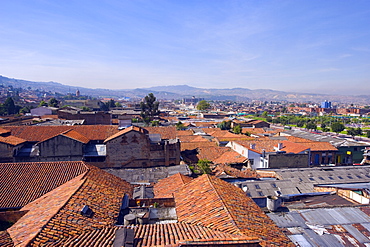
(337, 127)
(149, 108)
(203, 105)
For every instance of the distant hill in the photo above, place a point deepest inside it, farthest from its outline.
(181, 91)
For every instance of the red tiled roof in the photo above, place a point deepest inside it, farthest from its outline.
(193, 138)
(165, 132)
(4, 131)
(184, 132)
(122, 132)
(56, 216)
(211, 153)
(5, 239)
(230, 157)
(223, 169)
(76, 136)
(267, 145)
(40, 133)
(214, 203)
(171, 234)
(175, 234)
(167, 186)
(313, 145)
(21, 183)
(194, 145)
(12, 140)
(41, 211)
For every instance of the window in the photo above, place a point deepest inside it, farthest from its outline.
(321, 178)
(312, 179)
(273, 185)
(260, 193)
(358, 176)
(331, 178)
(350, 177)
(257, 186)
(340, 177)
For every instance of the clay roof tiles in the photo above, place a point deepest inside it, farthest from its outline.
(4, 131)
(214, 203)
(40, 133)
(12, 140)
(76, 136)
(195, 145)
(224, 169)
(230, 157)
(171, 234)
(22, 183)
(5, 239)
(167, 186)
(56, 216)
(165, 132)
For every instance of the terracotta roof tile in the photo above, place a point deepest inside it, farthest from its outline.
(167, 186)
(175, 234)
(214, 203)
(102, 192)
(12, 140)
(172, 234)
(313, 145)
(226, 170)
(165, 132)
(41, 211)
(56, 215)
(5, 239)
(193, 138)
(4, 131)
(131, 128)
(195, 145)
(40, 133)
(268, 145)
(76, 136)
(21, 183)
(211, 153)
(184, 133)
(230, 157)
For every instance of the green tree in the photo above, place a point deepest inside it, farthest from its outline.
(237, 129)
(224, 125)
(368, 134)
(149, 108)
(358, 131)
(180, 126)
(351, 132)
(53, 102)
(203, 165)
(264, 114)
(111, 103)
(337, 127)
(203, 105)
(9, 106)
(43, 103)
(311, 126)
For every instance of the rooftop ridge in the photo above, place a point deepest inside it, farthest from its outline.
(17, 231)
(223, 203)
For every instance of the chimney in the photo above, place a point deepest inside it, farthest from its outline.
(280, 146)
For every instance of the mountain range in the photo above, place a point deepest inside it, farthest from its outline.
(185, 91)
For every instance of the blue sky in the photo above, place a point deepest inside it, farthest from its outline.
(299, 46)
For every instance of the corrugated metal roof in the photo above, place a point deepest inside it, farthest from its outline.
(325, 226)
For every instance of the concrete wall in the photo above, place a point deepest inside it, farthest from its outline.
(7, 151)
(61, 147)
(131, 149)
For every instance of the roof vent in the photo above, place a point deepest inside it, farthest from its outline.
(86, 211)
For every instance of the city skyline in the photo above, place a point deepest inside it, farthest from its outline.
(297, 46)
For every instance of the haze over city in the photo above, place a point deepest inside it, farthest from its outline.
(301, 46)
